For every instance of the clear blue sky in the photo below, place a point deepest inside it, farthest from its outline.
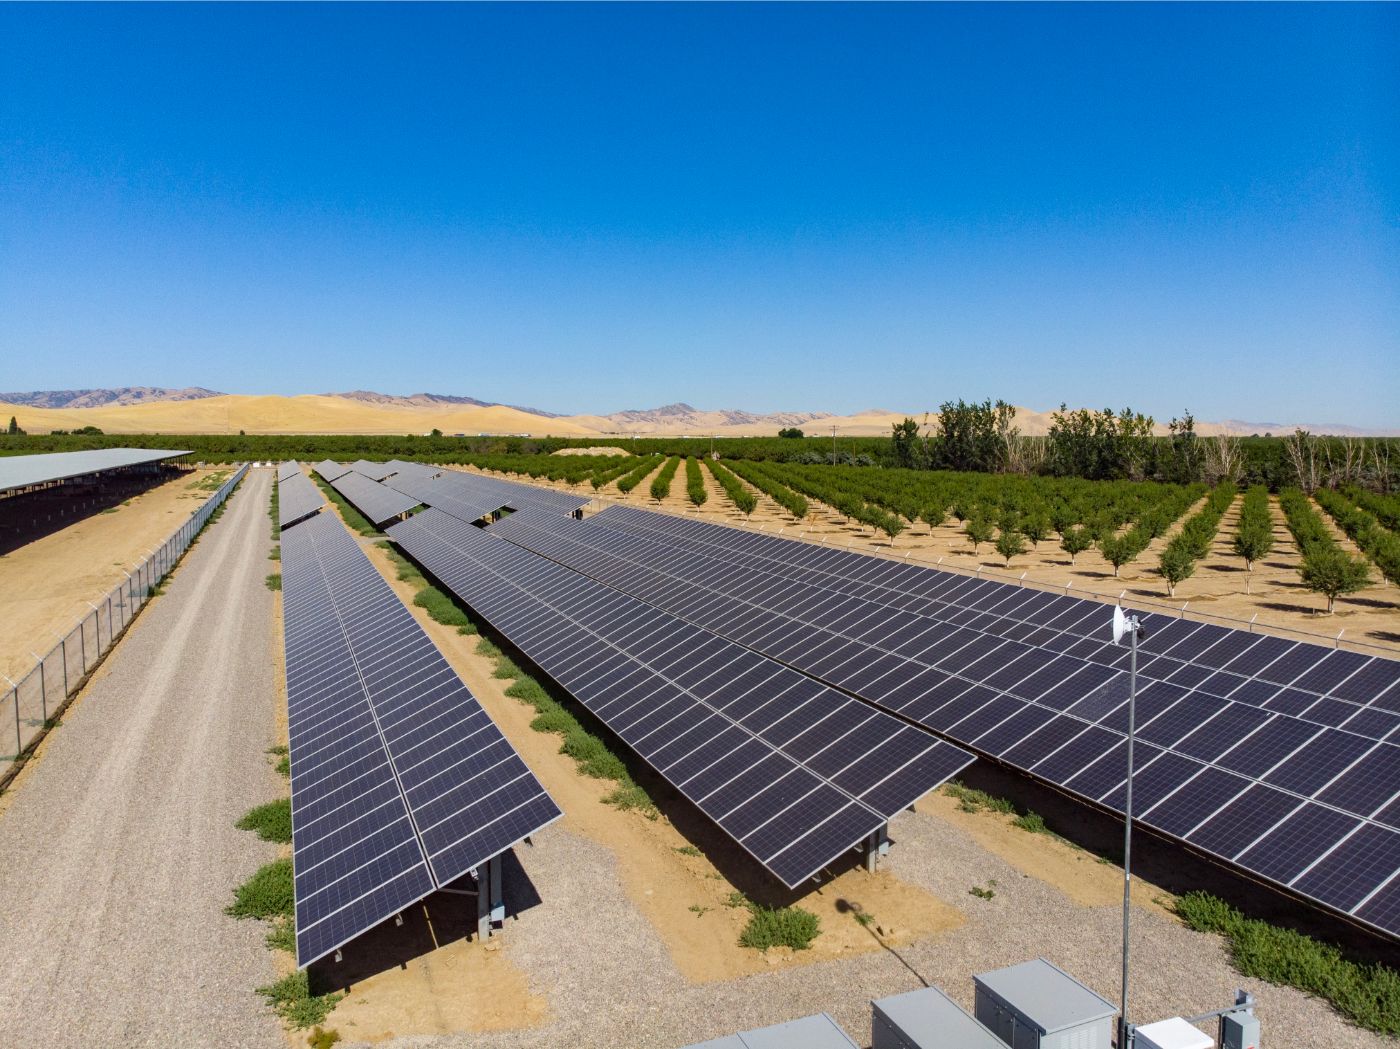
(808, 207)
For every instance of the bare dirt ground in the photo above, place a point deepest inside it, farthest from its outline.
(1276, 599)
(620, 937)
(47, 583)
(119, 840)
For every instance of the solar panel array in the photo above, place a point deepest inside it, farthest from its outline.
(288, 468)
(475, 490)
(1026, 677)
(297, 499)
(377, 502)
(401, 783)
(374, 471)
(792, 771)
(444, 496)
(329, 470)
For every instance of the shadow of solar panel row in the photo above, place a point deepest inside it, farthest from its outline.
(793, 772)
(400, 783)
(297, 499)
(329, 470)
(288, 468)
(376, 502)
(1231, 779)
(1329, 686)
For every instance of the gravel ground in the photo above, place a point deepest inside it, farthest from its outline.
(611, 984)
(119, 846)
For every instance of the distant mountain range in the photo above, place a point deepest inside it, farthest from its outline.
(154, 409)
(104, 398)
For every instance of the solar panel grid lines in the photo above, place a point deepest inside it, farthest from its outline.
(699, 710)
(297, 499)
(1184, 790)
(288, 468)
(400, 782)
(374, 500)
(374, 471)
(330, 470)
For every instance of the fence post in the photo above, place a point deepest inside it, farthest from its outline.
(14, 694)
(110, 634)
(43, 689)
(63, 647)
(82, 643)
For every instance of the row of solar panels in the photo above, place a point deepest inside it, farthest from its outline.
(401, 784)
(297, 495)
(1274, 756)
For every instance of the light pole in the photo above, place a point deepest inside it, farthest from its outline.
(1126, 624)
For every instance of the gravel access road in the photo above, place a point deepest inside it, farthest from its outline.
(118, 844)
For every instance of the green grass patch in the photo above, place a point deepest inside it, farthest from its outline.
(284, 767)
(629, 797)
(971, 799)
(274, 581)
(770, 927)
(292, 999)
(982, 893)
(355, 520)
(272, 822)
(442, 609)
(688, 850)
(1033, 822)
(267, 894)
(506, 669)
(487, 647)
(322, 1039)
(1367, 995)
(275, 554)
(283, 936)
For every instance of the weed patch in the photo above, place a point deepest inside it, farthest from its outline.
(779, 927)
(283, 936)
(274, 581)
(272, 822)
(1367, 995)
(1032, 822)
(972, 800)
(291, 997)
(267, 894)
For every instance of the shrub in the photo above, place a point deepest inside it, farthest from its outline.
(779, 927)
(694, 482)
(274, 581)
(272, 822)
(291, 997)
(267, 894)
(661, 483)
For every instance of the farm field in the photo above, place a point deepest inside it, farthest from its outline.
(625, 918)
(1272, 595)
(47, 583)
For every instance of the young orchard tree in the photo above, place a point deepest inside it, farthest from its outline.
(933, 515)
(1036, 527)
(1253, 542)
(1010, 543)
(892, 525)
(1116, 550)
(1076, 541)
(1176, 564)
(978, 531)
(1331, 571)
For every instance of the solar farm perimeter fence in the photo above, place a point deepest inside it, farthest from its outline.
(57, 676)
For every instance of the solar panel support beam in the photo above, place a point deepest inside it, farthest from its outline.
(877, 845)
(490, 901)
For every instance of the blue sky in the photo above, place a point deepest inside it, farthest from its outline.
(588, 208)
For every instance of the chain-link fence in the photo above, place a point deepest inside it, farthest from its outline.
(37, 697)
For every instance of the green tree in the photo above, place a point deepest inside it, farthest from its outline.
(435, 432)
(1176, 564)
(1117, 550)
(790, 432)
(1010, 544)
(934, 514)
(1252, 542)
(905, 441)
(978, 530)
(1035, 526)
(14, 429)
(1076, 541)
(1331, 571)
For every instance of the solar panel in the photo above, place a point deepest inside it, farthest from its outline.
(287, 469)
(329, 470)
(297, 499)
(1338, 688)
(793, 772)
(401, 783)
(441, 495)
(995, 694)
(374, 471)
(378, 503)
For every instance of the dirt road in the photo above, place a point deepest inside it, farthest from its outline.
(118, 844)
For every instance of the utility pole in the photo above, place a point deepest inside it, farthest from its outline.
(1126, 624)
